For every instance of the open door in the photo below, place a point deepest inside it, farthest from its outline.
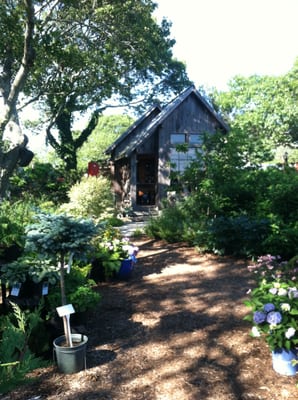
(146, 180)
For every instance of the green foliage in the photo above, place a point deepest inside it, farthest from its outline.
(168, 226)
(35, 268)
(91, 197)
(59, 235)
(84, 298)
(13, 273)
(114, 222)
(107, 130)
(264, 108)
(16, 358)
(79, 291)
(13, 218)
(40, 182)
(137, 233)
(283, 240)
(110, 250)
(111, 68)
(233, 208)
(240, 235)
(279, 298)
(122, 54)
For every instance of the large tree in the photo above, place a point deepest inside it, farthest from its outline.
(263, 111)
(111, 53)
(73, 57)
(16, 59)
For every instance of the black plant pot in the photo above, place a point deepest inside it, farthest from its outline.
(97, 272)
(70, 359)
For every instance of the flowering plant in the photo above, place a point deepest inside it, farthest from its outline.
(112, 249)
(271, 267)
(274, 313)
(119, 249)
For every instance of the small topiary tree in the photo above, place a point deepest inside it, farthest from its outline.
(60, 238)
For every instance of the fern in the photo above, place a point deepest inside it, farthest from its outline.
(16, 358)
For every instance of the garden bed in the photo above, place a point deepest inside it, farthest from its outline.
(174, 331)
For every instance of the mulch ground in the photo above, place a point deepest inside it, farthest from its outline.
(174, 331)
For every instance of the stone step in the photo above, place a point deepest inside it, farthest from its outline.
(143, 215)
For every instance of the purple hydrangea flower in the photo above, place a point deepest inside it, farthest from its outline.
(259, 317)
(269, 307)
(274, 318)
(293, 293)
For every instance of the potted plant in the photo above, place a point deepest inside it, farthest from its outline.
(274, 311)
(63, 239)
(29, 278)
(114, 256)
(13, 218)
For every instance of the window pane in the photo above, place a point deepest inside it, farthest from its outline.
(181, 160)
(191, 154)
(195, 138)
(177, 138)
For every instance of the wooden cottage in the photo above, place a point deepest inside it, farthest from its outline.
(141, 157)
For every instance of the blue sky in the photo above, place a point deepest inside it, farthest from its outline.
(218, 39)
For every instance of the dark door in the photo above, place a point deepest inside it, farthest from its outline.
(146, 180)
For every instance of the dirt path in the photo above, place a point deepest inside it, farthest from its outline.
(175, 331)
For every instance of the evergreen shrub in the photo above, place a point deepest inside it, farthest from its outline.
(167, 226)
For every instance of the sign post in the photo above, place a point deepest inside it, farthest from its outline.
(64, 312)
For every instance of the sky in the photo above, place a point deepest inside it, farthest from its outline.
(219, 39)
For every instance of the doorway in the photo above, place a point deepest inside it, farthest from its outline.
(146, 180)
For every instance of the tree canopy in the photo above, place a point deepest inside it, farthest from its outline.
(263, 112)
(108, 129)
(75, 56)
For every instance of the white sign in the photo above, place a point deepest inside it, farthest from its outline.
(65, 310)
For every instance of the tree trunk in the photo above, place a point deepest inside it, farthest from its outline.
(11, 87)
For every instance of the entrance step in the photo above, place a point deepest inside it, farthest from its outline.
(143, 214)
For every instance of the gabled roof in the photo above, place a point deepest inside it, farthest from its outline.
(132, 128)
(158, 120)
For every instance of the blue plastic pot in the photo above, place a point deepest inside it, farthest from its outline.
(282, 362)
(125, 269)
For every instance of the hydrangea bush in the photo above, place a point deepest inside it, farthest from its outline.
(274, 313)
(111, 249)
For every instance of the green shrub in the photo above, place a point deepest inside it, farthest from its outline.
(13, 218)
(167, 226)
(283, 240)
(41, 182)
(240, 235)
(91, 197)
(114, 221)
(79, 291)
